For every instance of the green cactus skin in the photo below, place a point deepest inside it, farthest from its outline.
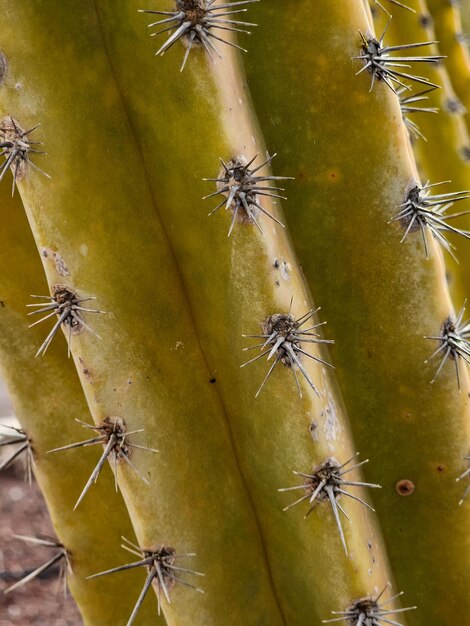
(448, 27)
(349, 156)
(98, 214)
(47, 398)
(233, 285)
(446, 134)
(171, 395)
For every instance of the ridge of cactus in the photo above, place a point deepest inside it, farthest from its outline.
(47, 399)
(380, 296)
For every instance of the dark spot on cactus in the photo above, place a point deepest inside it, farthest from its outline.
(313, 429)
(277, 283)
(425, 20)
(213, 381)
(2, 304)
(3, 67)
(465, 153)
(404, 487)
(277, 264)
(455, 106)
(441, 468)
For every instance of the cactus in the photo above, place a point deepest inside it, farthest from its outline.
(212, 386)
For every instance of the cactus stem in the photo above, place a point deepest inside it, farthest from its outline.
(62, 556)
(22, 438)
(461, 477)
(454, 342)
(324, 483)
(160, 563)
(16, 148)
(67, 306)
(421, 210)
(195, 20)
(381, 66)
(367, 611)
(407, 109)
(237, 182)
(283, 332)
(113, 434)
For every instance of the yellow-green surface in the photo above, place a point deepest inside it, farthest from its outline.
(348, 151)
(448, 28)
(47, 398)
(233, 284)
(98, 214)
(445, 154)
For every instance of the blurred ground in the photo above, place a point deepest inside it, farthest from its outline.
(23, 512)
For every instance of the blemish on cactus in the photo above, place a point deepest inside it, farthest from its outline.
(422, 211)
(369, 611)
(113, 434)
(237, 182)
(62, 557)
(284, 337)
(325, 484)
(195, 21)
(454, 344)
(17, 148)
(405, 487)
(60, 264)
(67, 306)
(382, 67)
(455, 106)
(18, 438)
(161, 572)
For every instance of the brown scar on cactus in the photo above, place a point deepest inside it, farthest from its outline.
(382, 67)
(112, 433)
(195, 21)
(369, 611)
(325, 484)
(237, 182)
(283, 337)
(454, 343)
(62, 557)
(17, 148)
(19, 438)
(422, 211)
(162, 572)
(67, 305)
